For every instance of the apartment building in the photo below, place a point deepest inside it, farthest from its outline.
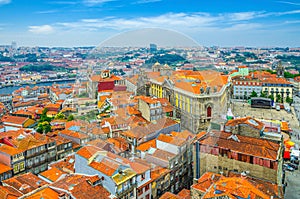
(261, 81)
(25, 151)
(151, 109)
(104, 81)
(174, 152)
(118, 176)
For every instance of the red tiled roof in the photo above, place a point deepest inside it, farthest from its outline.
(81, 187)
(45, 193)
(184, 194)
(4, 168)
(169, 195)
(66, 164)
(247, 145)
(25, 183)
(7, 192)
(246, 120)
(147, 145)
(87, 151)
(14, 119)
(52, 174)
(103, 168)
(10, 150)
(74, 134)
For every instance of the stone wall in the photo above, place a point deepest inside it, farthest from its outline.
(219, 164)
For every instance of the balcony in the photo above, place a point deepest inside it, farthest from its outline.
(35, 153)
(35, 164)
(123, 192)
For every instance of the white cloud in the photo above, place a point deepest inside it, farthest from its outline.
(183, 22)
(243, 26)
(290, 3)
(47, 11)
(95, 2)
(147, 1)
(174, 21)
(242, 16)
(64, 2)
(44, 29)
(2, 2)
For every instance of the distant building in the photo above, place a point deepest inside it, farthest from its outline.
(261, 82)
(242, 89)
(153, 48)
(280, 69)
(102, 82)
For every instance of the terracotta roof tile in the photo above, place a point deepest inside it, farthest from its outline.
(52, 174)
(246, 145)
(7, 192)
(184, 194)
(14, 119)
(163, 155)
(235, 186)
(10, 150)
(246, 120)
(4, 168)
(65, 165)
(87, 151)
(119, 142)
(158, 172)
(81, 187)
(169, 195)
(25, 183)
(74, 134)
(103, 168)
(45, 193)
(139, 168)
(147, 145)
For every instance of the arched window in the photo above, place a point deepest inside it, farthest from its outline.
(208, 111)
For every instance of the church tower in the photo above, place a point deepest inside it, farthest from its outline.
(280, 70)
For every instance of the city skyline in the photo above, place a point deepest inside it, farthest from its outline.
(90, 22)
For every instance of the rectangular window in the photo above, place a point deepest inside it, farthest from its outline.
(143, 177)
(16, 168)
(147, 187)
(22, 166)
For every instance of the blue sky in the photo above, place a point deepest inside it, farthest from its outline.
(89, 22)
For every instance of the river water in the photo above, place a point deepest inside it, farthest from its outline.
(10, 89)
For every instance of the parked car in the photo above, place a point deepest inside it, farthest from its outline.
(287, 167)
(294, 160)
(295, 166)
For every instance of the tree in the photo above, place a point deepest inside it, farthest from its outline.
(289, 100)
(43, 127)
(70, 118)
(253, 94)
(278, 98)
(60, 116)
(271, 97)
(44, 116)
(121, 72)
(263, 94)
